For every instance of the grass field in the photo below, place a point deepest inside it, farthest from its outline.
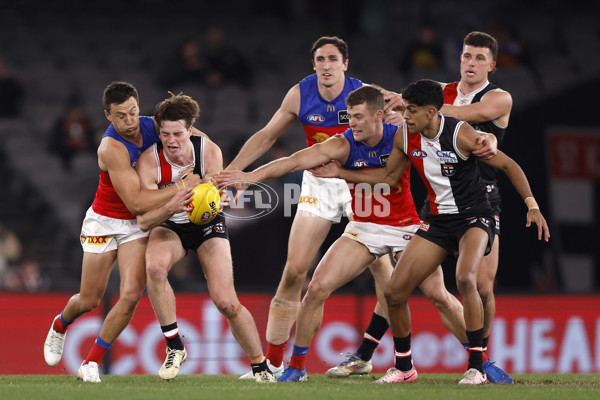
(213, 387)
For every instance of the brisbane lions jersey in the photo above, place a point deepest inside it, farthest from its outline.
(107, 202)
(379, 204)
(322, 119)
(452, 180)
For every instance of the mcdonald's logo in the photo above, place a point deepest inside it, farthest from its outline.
(331, 108)
(372, 154)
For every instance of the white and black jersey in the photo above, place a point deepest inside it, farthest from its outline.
(453, 180)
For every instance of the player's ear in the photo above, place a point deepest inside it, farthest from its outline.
(107, 115)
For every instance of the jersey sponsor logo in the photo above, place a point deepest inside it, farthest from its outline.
(448, 170)
(320, 137)
(497, 222)
(383, 159)
(485, 221)
(96, 240)
(372, 154)
(316, 118)
(343, 118)
(446, 157)
(359, 164)
(424, 226)
(407, 237)
(310, 200)
(418, 154)
(331, 108)
(352, 233)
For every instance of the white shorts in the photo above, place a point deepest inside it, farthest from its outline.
(328, 198)
(380, 239)
(100, 234)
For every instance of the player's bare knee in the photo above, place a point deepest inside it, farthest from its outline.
(317, 293)
(229, 309)
(438, 298)
(156, 272)
(466, 283)
(392, 298)
(292, 278)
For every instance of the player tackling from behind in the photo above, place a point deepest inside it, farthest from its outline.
(110, 231)
(173, 234)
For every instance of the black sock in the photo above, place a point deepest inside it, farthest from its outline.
(259, 367)
(485, 343)
(173, 340)
(402, 345)
(376, 329)
(475, 356)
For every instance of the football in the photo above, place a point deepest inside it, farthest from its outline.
(205, 204)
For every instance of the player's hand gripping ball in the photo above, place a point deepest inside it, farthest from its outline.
(205, 203)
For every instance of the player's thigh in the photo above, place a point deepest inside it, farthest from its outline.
(132, 266)
(489, 266)
(164, 249)
(95, 272)
(307, 234)
(471, 249)
(345, 260)
(416, 263)
(433, 286)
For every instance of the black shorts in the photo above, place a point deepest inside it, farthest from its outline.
(446, 230)
(192, 235)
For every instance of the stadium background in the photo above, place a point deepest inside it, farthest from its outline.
(63, 54)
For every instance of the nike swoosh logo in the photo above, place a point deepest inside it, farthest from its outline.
(410, 376)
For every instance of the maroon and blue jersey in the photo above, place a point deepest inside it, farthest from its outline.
(392, 206)
(322, 119)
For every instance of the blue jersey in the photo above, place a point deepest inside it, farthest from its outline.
(322, 119)
(387, 206)
(149, 137)
(107, 202)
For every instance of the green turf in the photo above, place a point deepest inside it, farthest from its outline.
(212, 387)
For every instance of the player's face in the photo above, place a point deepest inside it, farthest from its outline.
(475, 64)
(125, 117)
(329, 65)
(363, 122)
(416, 117)
(175, 138)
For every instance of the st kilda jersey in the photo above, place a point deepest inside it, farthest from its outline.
(453, 96)
(169, 173)
(322, 119)
(452, 180)
(380, 204)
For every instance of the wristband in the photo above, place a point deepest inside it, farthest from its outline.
(531, 203)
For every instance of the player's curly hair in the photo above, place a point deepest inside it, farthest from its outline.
(424, 92)
(177, 107)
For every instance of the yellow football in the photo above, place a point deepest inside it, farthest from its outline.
(205, 204)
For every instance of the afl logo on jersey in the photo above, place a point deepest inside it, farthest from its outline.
(359, 164)
(343, 118)
(316, 118)
(418, 154)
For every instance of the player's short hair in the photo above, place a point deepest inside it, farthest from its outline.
(334, 40)
(482, 39)
(177, 107)
(118, 93)
(424, 92)
(372, 95)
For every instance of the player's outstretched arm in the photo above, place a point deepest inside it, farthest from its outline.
(262, 140)
(494, 106)
(521, 184)
(395, 166)
(335, 148)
